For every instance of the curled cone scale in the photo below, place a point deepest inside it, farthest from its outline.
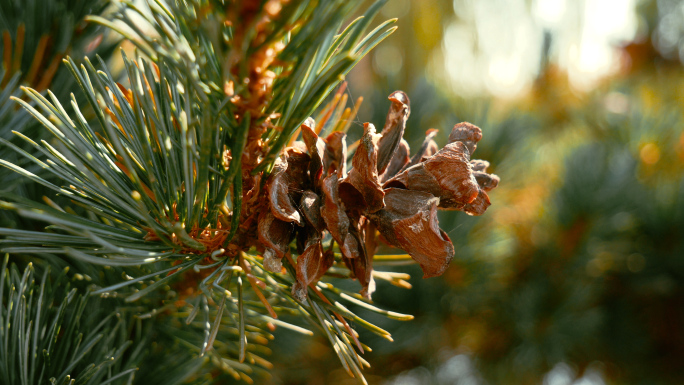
(486, 181)
(310, 206)
(333, 212)
(446, 175)
(393, 131)
(316, 148)
(399, 160)
(335, 157)
(311, 265)
(276, 236)
(361, 188)
(361, 266)
(466, 133)
(285, 184)
(409, 222)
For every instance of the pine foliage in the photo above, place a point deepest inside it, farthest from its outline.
(54, 333)
(36, 36)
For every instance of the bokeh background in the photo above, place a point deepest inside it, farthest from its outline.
(575, 275)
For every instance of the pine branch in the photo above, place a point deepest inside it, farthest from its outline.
(187, 178)
(163, 129)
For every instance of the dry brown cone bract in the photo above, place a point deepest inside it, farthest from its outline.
(386, 192)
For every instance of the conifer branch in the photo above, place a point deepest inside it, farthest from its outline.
(182, 174)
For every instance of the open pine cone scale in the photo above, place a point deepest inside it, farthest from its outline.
(310, 192)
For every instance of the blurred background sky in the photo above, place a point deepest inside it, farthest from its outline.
(575, 274)
(499, 47)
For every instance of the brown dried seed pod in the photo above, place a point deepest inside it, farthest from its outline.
(276, 236)
(486, 181)
(467, 133)
(286, 183)
(335, 159)
(393, 131)
(446, 175)
(409, 221)
(398, 161)
(311, 266)
(350, 247)
(278, 196)
(310, 206)
(479, 165)
(479, 205)
(310, 263)
(361, 189)
(361, 267)
(316, 148)
(333, 211)
(368, 234)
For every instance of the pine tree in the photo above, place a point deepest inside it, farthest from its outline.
(172, 219)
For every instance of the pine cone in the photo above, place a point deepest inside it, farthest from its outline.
(310, 192)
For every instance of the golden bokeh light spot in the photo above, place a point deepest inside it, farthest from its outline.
(650, 153)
